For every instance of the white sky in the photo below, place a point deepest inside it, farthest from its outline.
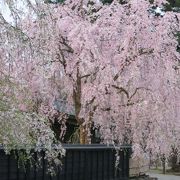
(5, 11)
(21, 5)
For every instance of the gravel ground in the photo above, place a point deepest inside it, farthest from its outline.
(164, 177)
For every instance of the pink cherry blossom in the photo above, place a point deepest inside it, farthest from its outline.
(112, 63)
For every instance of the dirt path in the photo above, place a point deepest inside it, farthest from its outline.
(164, 177)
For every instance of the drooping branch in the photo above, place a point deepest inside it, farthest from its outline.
(129, 97)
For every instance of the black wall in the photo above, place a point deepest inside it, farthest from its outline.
(82, 162)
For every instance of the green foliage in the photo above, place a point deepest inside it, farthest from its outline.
(151, 1)
(74, 138)
(172, 4)
(106, 1)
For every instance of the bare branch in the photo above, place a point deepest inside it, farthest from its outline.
(136, 90)
(121, 89)
(63, 41)
(85, 76)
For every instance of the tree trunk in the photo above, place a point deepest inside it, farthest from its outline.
(83, 129)
(173, 162)
(164, 164)
(83, 135)
(174, 159)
